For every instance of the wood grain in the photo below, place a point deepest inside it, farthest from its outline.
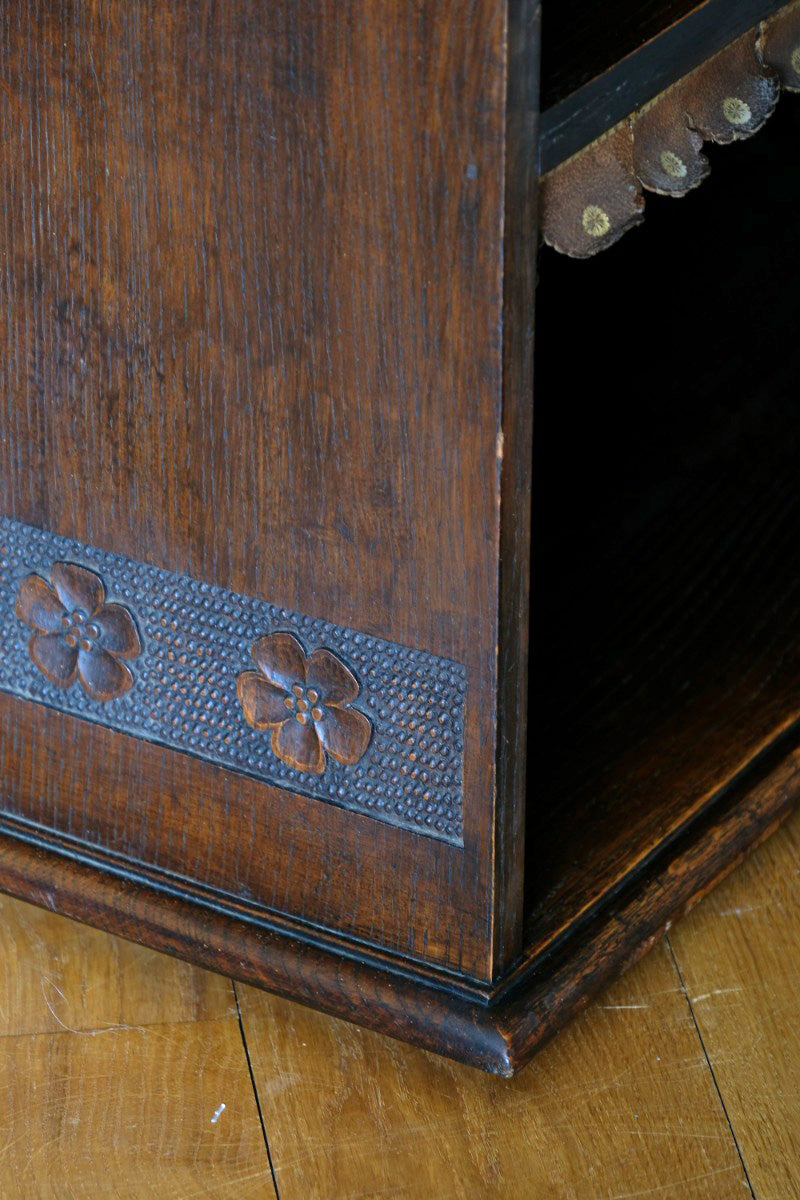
(622, 1104)
(680, 507)
(497, 1032)
(266, 316)
(739, 957)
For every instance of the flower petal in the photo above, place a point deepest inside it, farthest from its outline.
(118, 632)
(103, 676)
(298, 746)
(263, 704)
(77, 588)
(280, 657)
(335, 682)
(345, 734)
(57, 661)
(38, 605)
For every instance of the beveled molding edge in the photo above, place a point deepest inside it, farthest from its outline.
(292, 701)
(495, 1030)
(593, 198)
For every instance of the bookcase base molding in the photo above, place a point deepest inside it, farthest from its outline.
(495, 1029)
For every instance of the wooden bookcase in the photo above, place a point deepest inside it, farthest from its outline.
(266, 468)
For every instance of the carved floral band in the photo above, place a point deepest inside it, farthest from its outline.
(327, 712)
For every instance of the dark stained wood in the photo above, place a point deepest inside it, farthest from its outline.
(514, 450)
(688, 702)
(246, 245)
(45, 751)
(638, 916)
(583, 40)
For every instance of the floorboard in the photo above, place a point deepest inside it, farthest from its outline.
(123, 1074)
(739, 955)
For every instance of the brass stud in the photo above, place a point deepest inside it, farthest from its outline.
(595, 221)
(673, 164)
(737, 112)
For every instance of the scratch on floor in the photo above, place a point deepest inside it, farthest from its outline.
(608, 1007)
(636, 1131)
(716, 992)
(83, 1032)
(673, 1187)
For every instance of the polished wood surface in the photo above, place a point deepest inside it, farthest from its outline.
(681, 1080)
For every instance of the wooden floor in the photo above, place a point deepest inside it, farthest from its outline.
(127, 1074)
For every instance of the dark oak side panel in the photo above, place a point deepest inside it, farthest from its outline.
(252, 312)
(516, 451)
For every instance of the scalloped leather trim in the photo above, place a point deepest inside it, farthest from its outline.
(593, 198)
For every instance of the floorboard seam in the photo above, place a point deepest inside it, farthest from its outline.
(707, 1057)
(255, 1090)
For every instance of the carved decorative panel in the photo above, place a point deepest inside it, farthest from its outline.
(294, 701)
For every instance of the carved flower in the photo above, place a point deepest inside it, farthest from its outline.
(305, 702)
(76, 634)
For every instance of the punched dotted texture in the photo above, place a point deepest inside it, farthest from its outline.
(196, 641)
